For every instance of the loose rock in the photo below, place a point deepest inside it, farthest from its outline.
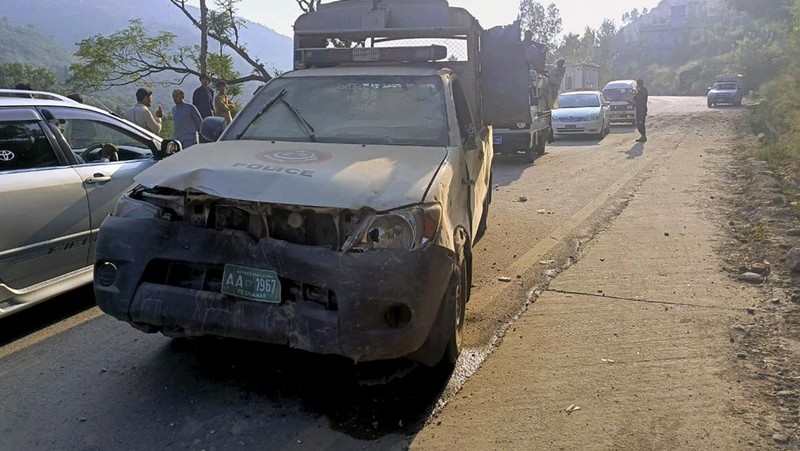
(504, 279)
(793, 259)
(751, 277)
(780, 438)
(793, 232)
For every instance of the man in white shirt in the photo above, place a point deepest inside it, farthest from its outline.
(140, 113)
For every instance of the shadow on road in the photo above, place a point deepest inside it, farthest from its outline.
(366, 401)
(622, 129)
(636, 151)
(45, 314)
(509, 168)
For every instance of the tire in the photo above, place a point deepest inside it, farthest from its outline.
(444, 342)
(530, 154)
(455, 301)
(710, 105)
(541, 146)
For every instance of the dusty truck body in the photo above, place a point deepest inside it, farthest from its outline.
(337, 212)
(528, 137)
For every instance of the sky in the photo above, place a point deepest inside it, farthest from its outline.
(577, 14)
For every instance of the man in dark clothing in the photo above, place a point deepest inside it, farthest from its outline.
(641, 99)
(203, 97)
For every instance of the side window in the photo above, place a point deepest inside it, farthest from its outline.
(465, 123)
(24, 145)
(94, 139)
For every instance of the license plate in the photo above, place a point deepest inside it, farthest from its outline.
(260, 285)
(571, 126)
(498, 139)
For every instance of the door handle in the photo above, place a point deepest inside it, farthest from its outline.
(98, 178)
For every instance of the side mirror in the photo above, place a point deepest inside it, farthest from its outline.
(212, 127)
(168, 147)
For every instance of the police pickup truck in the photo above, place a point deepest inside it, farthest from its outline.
(337, 213)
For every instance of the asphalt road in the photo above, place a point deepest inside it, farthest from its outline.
(73, 378)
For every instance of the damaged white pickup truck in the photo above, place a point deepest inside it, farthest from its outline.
(336, 214)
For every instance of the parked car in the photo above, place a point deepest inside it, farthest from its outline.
(727, 92)
(620, 94)
(582, 113)
(59, 179)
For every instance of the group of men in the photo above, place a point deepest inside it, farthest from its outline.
(187, 117)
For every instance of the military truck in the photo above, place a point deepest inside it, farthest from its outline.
(530, 137)
(339, 211)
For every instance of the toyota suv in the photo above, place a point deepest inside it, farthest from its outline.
(63, 165)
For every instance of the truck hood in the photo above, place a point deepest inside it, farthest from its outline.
(307, 174)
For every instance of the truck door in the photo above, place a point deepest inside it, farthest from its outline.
(476, 155)
(505, 77)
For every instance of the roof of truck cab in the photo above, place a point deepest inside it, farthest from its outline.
(339, 71)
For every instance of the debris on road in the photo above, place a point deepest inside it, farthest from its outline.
(541, 212)
(780, 438)
(572, 408)
(547, 262)
(504, 279)
(751, 277)
(607, 361)
(793, 259)
(522, 199)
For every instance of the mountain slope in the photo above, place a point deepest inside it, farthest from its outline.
(67, 22)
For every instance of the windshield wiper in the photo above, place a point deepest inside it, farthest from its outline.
(311, 132)
(278, 97)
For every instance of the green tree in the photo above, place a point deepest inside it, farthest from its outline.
(40, 79)
(544, 23)
(308, 5)
(606, 36)
(135, 55)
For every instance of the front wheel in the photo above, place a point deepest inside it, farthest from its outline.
(456, 303)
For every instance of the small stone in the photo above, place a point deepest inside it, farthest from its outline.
(82, 419)
(780, 438)
(751, 277)
(775, 301)
(522, 199)
(666, 233)
(793, 232)
(793, 259)
(103, 370)
(741, 355)
(504, 279)
(785, 393)
(541, 212)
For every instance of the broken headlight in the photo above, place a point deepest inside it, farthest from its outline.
(407, 229)
(128, 207)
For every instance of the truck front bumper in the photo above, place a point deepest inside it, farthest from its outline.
(160, 276)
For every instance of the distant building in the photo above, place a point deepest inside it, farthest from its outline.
(581, 76)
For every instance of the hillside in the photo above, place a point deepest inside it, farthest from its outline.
(26, 45)
(78, 19)
(681, 44)
(32, 34)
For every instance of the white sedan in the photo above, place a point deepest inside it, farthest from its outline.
(582, 113)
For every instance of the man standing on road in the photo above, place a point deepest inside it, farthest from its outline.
(140, 113)
(186, 120)
(641, 99)
(203, 97)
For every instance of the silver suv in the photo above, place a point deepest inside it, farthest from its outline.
(63, 165)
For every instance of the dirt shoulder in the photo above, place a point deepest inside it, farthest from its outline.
(631, 348)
